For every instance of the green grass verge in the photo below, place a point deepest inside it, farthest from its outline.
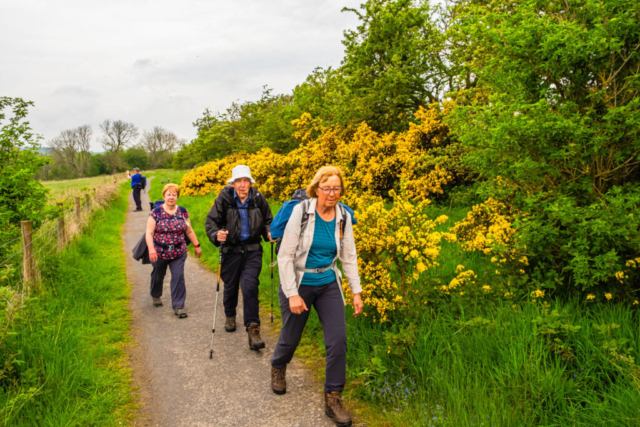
(474, 365)
(70, 364)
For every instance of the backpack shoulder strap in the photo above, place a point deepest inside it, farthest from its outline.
(304, 219)
(343, 224)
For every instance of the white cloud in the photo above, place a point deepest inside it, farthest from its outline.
(160, 62)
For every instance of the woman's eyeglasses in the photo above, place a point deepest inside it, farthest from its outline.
(328, 190)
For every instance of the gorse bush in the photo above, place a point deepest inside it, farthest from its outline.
(396, 245)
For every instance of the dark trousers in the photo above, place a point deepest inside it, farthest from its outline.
(136, 197)
(242, 270)
(178, 288)
(329, 305)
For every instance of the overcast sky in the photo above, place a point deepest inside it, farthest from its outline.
(159, 62)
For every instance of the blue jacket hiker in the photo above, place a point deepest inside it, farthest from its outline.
(138, 182)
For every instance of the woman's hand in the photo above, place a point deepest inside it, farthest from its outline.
(358, 305)
(153, 256)
(222, 236)
(198, 252)
(297, 305)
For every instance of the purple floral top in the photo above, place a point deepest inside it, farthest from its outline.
(168, 238)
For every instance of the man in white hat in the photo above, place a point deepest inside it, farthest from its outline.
(238, 219)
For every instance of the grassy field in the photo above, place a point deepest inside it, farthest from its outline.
(60, 190)
(69, 365)
(480, 364)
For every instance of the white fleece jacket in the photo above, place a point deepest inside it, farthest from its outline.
(294, 251)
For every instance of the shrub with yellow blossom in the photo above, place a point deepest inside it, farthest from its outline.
(488, 228)
(422, 160)
(395, 248)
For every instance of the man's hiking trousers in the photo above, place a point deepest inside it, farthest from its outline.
(241, 270)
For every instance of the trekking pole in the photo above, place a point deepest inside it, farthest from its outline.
(215, 309)
(271, 282)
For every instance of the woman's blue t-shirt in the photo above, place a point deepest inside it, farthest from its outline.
(323, 251)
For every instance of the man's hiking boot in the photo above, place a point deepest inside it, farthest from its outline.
(278, 380)
(157, 302)
(255, 342)
(230, 324)
(181, 313)
(333, 409)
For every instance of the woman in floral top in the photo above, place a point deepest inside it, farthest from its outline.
(166, 230)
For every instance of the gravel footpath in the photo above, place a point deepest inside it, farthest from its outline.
(178, 384)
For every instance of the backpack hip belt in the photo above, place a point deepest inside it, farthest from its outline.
(316, 270)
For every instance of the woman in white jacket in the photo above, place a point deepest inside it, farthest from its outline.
(318, 233)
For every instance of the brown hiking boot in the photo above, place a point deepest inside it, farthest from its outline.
(255, 342)
(333, 409)
(278, 380)
(230, 324)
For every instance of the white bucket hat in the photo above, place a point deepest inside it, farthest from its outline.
(240, 171)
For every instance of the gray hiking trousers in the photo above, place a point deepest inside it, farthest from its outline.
(328, 303)
(178, 288)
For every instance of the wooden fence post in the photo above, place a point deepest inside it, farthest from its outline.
(27, 253)
(87, 203)
(78, 211)
(61, 231)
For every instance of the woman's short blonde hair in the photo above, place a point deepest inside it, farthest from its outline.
(323, 174)
(171, 186)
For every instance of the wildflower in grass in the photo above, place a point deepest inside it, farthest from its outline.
(486, 288)
(608, 295)
(537, 293)
(620, 276)
(635, 302)
(591, 296)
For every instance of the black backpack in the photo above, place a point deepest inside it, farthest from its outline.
(143, 183)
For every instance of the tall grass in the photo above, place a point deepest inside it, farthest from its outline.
(481, 364)
(69, 363)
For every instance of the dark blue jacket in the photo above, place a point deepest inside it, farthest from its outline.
(135, 179)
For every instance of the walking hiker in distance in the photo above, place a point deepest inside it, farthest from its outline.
(167, 227)
(238, 219)
(318, 233)
(136, 186)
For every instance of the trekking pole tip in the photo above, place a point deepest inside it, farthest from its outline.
(211, 354)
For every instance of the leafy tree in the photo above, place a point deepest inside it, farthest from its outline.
(136, 156)
(249, 127)
(98, 165)
(21, 196)
(553, 126)
(393, 63)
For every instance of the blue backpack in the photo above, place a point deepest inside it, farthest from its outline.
(281, 219)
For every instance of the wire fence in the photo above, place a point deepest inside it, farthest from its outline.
(24, 259)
